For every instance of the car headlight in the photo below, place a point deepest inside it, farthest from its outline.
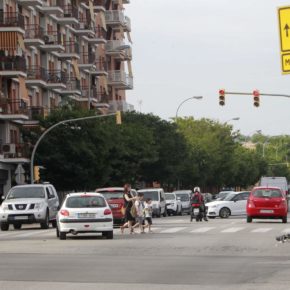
(5, 207)
(38, 205)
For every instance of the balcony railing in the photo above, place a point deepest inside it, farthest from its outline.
(70, 11)
(100, 32)
(37, 73)
(15, 150)
(52, 37)
(114, 17)
(12, 63)
(71, 47)
(100, 96)
(98, 3)
(17, 107)
(72, 85)
(101, 65)
(34, 31)
(116, 45)
(120, 78)
(56, 76)
(87, 58)
(11, 19)
(53, 3)
(36, 112)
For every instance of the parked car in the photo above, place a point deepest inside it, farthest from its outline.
(222, 195)
(158, 200)
(234, 204)
(207, 197)
(273, 181)
(267, 202)
(27, 204)
(173, 204)
(185, 196)
(115, 199)
(84, 212)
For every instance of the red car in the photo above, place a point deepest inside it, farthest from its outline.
(267, 202)
(115, 199)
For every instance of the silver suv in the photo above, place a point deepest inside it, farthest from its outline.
(27, 204)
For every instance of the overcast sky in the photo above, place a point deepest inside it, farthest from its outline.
(184, 48)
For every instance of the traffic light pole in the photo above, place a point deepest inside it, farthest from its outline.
(273, 95)
(51, 128)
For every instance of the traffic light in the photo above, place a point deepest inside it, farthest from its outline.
(222, 97)
(256, 95)
(36, 173)
(118, 118)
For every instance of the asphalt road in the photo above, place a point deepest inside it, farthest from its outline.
(220, 254)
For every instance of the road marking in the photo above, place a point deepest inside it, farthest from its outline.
(232, 230)
(30, 233)
(286, 231)
(172, 230)
(202, 230)
(261, 230)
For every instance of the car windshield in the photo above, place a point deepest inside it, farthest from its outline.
(230, 196)
(26, 192)
(153, 195)
(85, 201)
(183, 196)
(267, 193)
(112, 195)
(169, 196)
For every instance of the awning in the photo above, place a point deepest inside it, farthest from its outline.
(76, 69)
(105, 83)
(21, 41)
(103, 20)
(92, 13)
(8, 40)
(23, 93)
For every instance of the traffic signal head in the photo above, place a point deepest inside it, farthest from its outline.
(36, 173)
(118, 118)
(256, 95)
(222, 97)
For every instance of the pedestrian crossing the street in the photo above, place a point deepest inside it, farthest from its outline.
(192, 229)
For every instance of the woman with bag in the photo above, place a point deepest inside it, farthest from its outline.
(129, 200)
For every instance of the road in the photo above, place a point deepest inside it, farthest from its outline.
(220, 254)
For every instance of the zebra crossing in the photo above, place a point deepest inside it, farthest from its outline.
(192, 229)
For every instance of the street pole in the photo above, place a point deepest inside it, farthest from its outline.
(52, 127)
(191, 98)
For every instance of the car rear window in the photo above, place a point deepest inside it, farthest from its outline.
(169, 196)
(112, 194)
(267, 193)
(183, 196)
(85, 201)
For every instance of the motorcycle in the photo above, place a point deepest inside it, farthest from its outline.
(196, 212)
(283, 238)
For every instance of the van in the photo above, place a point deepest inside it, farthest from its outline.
(157, 196)
(184, 196)
(280, 182)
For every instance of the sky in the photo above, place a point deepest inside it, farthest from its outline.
(185, 48)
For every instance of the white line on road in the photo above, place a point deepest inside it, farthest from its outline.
(202, 230)
(232, 230)
(172, 230)
(261, 230)
(286, 231)
(30, 233)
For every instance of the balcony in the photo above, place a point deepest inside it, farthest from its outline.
(99, 5)
(34, 35)
(86, 61)
(52, 42)
(116, 18)
(97, 68)
(83, 28)
(56, 79)
(120, 106)
(51, 7)
(124, 1)
(13, 110)
(37, 112)
(120, 80)
(15, 152)
(118, 48)
(71, 50)
(11, 21)
(97, 98)
(73, 87)
(36, 76)
(69, 16)
(12, 66)
(99, 36)
(27, 3)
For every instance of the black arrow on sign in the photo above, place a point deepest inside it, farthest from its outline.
(286, 28)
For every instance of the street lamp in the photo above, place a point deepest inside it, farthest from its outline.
(191, 98)
(233, 119)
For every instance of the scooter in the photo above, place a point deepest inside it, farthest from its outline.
(196, 212)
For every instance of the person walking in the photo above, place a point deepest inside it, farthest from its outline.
(129, 200)
(148, 214)
(139, 212)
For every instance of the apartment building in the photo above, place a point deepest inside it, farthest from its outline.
(53, 51)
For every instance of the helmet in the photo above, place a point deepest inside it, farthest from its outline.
(196, 189)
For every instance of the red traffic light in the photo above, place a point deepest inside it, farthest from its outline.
(256, 93)
(222, 97)
(222, 92)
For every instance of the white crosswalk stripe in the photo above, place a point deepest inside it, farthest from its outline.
(232, 230)
(261, 230)
(202, 230)
(172, 230)
(286, 231)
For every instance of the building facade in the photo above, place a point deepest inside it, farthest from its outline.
(53, 51)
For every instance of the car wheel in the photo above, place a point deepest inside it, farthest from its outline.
(17, 226)
(159, 213)
(211, 217)
(45, 223)
(180, 213)
(4, 226)
(53, 223)
(62, 235)
(284, 220)
(165, 213)
(57, 232)
(109, 235)
(249, 219)
(225, 213)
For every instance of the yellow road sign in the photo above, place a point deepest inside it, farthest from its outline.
(285, 63)
(284, 28)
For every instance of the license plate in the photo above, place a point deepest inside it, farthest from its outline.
(21, 217)
(196, 210)
(114, 205)
(266, 211)
(86, 215)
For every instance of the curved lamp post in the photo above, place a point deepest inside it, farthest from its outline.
(233, 119)
(191, 98)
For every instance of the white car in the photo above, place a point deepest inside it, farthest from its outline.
(27, 204)
(84, 212)
(234, 204)
(173, 204)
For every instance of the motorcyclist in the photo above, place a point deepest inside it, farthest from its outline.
(197, 198)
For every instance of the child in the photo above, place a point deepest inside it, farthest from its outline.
(148, 214)
(140, 212)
